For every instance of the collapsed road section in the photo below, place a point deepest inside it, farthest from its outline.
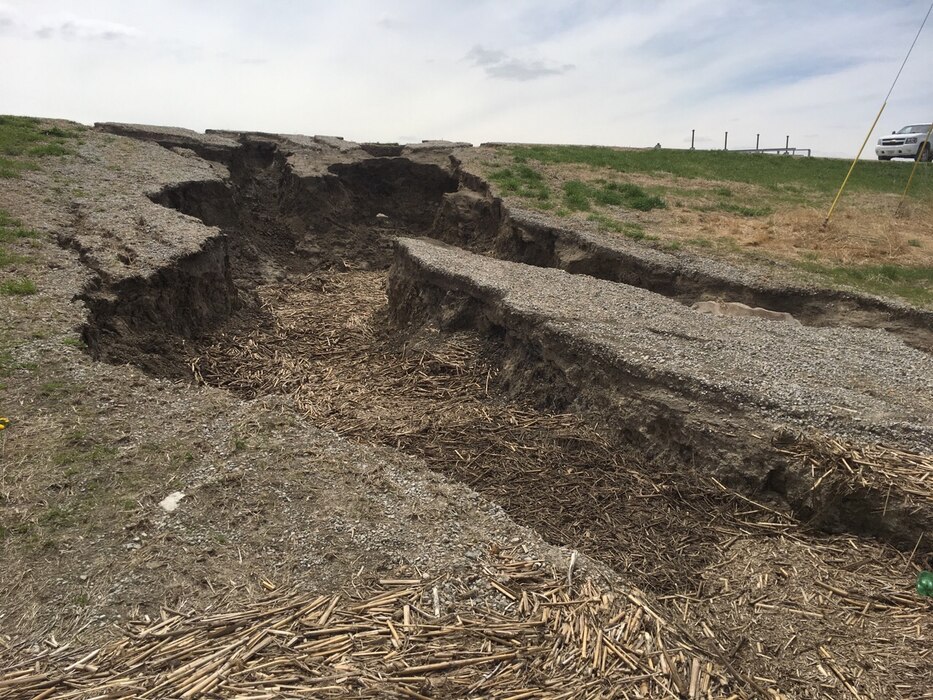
(474, 218)
(718, 392)
(717, 395)
(610, 419)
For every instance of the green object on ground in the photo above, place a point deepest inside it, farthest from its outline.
(925, 583)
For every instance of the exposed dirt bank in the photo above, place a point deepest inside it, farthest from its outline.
(474, 218)
(715, 394)
(593, 412)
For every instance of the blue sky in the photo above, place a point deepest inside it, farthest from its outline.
(628, 73)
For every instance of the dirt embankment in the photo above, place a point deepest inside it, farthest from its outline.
(475, 219)
(594, 412)
(716, 394)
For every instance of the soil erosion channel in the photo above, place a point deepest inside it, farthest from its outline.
(311, 322)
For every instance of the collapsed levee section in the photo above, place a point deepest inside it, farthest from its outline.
(402, 189)
(211, 201)
(142, 319)
(716, 396)
(474, 218)
(275, 209)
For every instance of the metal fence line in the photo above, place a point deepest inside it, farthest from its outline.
(787, 149)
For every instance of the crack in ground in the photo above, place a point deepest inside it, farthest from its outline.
(312, 326)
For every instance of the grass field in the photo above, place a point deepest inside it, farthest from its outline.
(779, 173)
(739, 205)
(24, 141)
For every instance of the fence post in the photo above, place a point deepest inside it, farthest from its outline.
(693, 133)
(725, 145)
(757, 139)
(787, 144)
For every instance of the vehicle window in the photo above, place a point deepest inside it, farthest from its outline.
(915, 129)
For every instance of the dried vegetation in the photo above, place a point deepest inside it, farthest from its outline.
(550, 636)
(795, 610)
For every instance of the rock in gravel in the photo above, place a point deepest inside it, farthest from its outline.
(170, 503)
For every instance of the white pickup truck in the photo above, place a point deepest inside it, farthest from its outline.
(905, 143)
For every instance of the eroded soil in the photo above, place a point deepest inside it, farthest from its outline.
(304, 344)
(761, 586)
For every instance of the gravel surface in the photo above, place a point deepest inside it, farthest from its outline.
(864, 384)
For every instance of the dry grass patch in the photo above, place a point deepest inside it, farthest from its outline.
(758, 214)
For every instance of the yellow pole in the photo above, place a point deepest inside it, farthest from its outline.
(886, 98)
(852, 167)
(923, 145)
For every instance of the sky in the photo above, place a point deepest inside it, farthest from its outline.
(623, 73)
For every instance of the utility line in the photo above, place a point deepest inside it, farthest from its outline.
(875, 123)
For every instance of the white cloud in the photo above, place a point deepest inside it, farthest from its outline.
(498, 64)
(64, 26)
(572, 71)
(85, 30)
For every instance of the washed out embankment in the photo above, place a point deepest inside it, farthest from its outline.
(271, 214)
(314, 198)
(343, 217)
(719, 394)
(457, 378)
(475, 219)
(285, 214)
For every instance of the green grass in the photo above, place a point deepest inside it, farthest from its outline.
(20, 287)
(58, 517)
(791, 176)
(53, 387)
(579, 196)
(49, 149)
(10, 168)
(915, 284)
(7, 258)
(741, 210)
(521, 180)
(628, 229)
(7, 363)
(83, 455)
(11, 229)
(22, 137)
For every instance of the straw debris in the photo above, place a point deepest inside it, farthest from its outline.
(547, 640)
(908, 475)
(762, 591)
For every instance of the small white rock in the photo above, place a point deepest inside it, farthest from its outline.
(170, 502)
